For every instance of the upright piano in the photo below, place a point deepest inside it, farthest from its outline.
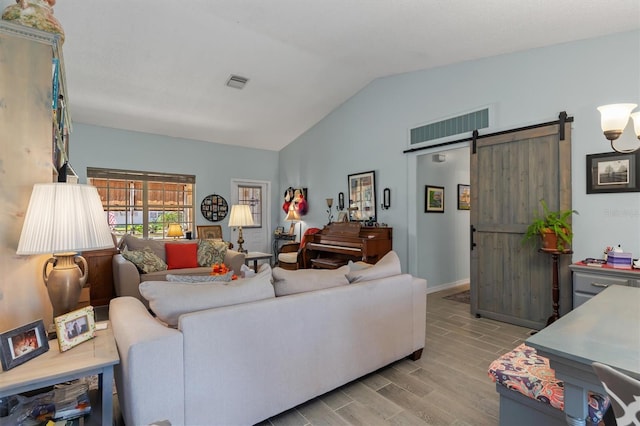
(340, 242)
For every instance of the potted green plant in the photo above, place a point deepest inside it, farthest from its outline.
(552, 227)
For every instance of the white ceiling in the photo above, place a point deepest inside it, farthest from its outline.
(160, 67)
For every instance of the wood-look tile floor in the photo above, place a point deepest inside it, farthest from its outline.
(449, 385)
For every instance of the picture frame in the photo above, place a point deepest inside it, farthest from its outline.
(279, 230)
(612, 172)
(209, 232)
(75, 327)
(433, 199)
(22, 344)
(343, 217)
(464, 197)
(362, 197)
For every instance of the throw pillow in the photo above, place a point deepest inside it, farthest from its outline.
(145, 260)
(211, 252)
(180, 255)
(170, 300)
(388, 266)
(303, 280)
(199, 278)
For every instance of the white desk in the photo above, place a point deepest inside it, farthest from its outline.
(96, 356)
(605, 329)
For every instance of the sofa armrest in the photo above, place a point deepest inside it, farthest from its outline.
(150, 375)
(126, 277)
(234, 260)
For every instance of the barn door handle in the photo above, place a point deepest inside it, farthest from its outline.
(473, 244)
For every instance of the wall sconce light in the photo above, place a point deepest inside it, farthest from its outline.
(613, 120)
(341, 201)
(386, 199)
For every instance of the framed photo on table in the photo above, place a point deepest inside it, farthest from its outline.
(613, 172)
(433, 199)
(22, 344)
(75, 327)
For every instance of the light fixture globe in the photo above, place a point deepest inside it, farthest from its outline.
(614, 118)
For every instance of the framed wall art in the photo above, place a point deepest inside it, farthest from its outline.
(362, 196)
(75, 327)
(22, 344)
(214, 208)
(433, 199)
(613, 172)
(464, 197)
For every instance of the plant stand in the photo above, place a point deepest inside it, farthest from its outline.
(555, 289)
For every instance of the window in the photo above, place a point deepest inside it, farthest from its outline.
(252, 195)
(144, 203)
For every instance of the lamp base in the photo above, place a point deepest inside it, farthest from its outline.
(65, 281)
(240, 241)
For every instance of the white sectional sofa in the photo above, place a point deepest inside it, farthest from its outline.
(243, 363)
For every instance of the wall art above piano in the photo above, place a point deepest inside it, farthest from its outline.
(362, 197)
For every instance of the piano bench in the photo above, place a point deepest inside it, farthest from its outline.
(328, 263)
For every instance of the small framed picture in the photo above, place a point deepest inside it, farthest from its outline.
(279, 230)
(613, 172)
(464, 197)
(22, 344)
(343, 217)
(75, 327)
(433, 199)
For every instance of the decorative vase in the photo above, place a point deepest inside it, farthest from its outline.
(36, 14)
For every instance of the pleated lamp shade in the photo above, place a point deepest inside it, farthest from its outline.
(64, 217)
(240, 215)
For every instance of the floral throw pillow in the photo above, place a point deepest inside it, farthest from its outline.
(145, 260)
(211, 252)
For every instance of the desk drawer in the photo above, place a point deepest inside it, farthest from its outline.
(593, 283)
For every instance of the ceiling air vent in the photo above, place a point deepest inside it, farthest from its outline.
(237, 82)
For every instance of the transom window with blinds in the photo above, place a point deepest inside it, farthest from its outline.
(144, 203)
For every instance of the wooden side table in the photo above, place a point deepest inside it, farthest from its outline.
(100, 279)
(96, 356)
(255, 256)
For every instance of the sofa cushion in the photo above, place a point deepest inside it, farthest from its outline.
(181, 255)
(135, 243)
(199, 278)
(169, 300)
(303, 280)
(211, 252)
(145, 260)
(388, 266)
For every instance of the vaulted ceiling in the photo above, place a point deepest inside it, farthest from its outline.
(160, 67)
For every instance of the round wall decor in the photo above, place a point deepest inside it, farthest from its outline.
(214, 207)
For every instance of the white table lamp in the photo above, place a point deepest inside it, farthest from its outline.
(240, 216)
(62, 219)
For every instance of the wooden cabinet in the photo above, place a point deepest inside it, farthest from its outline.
(589, 281)
(100, 279)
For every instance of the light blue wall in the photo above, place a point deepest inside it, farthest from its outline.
(370, 131)
(214, 165)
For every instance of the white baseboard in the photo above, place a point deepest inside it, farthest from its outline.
(446, 286)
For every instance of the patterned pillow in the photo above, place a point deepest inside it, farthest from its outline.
(199, 278)
(211, 252)
(145, 260)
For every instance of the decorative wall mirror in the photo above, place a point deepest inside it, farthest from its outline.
(214, 208)
(362, 197)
